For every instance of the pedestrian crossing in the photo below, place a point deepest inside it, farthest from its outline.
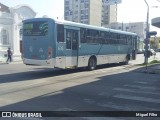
(135, 96)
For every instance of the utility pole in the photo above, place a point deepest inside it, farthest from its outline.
(147, 36)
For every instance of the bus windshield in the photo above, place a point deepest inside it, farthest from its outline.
(39, 28)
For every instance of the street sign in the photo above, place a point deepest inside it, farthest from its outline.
(112, 2)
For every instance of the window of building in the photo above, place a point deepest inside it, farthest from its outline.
(82, 1)
(5, 37)
(66, 13)
(86, 1)
(66, 2)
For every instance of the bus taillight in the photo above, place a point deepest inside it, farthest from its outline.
(49, 52)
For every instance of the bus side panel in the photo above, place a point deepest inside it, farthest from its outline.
(85, 52)
(105, 53)
(61, 55)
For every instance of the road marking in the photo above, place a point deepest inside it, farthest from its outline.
(135, 91)
(142, 87)
(143, 99)
(90, 101)
(138, 82)
(126, 107)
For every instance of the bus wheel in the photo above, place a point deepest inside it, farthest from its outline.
(92, 63)
(127, 60)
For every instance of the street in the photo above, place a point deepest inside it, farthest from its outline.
(109, 88)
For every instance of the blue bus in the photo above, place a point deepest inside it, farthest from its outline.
(64, 44)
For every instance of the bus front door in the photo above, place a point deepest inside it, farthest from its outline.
(72, 38)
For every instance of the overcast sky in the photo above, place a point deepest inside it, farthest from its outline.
(128, 10)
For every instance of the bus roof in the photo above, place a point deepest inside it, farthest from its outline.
(93, 27)
(74, 24)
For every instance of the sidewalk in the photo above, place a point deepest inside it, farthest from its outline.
(14, 62)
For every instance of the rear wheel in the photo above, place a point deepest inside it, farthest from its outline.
(92, 63)
(127, 60)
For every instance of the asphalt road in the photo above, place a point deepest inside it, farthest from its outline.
(109, 88)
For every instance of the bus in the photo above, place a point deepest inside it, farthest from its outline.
(65, 44)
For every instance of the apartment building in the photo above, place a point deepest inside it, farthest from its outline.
(93, 12)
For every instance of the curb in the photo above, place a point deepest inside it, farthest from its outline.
(154, 71)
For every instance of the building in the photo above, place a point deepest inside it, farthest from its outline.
(137, 27)
(10, 26)
(155, 41)
(93, 12)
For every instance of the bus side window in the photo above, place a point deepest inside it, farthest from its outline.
(83, 35)
(60, 33)
(97, 37)
(68, 39)
(102, 37)
(89, 36)
(107, 37)
(129, 38)
(113, 39)
(75, 40)
(123, 39)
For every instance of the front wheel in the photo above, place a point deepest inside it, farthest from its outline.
(92, 64)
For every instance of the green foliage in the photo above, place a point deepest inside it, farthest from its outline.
(151, 63)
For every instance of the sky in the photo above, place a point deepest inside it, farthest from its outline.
(128, 10)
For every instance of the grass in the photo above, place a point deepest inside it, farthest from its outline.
(153, 62)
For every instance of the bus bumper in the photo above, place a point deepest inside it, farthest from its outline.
(49, 62)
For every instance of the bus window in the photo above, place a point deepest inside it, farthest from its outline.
(68, 39)
(107, 37)
(60, 33)
(83, 35)
(89, 36)
(102, 37)
(96, 37)
(123, 39)
(75, 40)
(93, 36)
(38, 28)
(113, 38)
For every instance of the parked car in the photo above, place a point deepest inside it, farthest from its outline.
(152, 52)
(140, 51)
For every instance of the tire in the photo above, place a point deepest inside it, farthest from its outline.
(92, 64)
(126, 61)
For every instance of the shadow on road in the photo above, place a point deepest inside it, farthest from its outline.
(38, 73)
(129, 91)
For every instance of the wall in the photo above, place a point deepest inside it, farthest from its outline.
(95, 12)
(12, 22)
